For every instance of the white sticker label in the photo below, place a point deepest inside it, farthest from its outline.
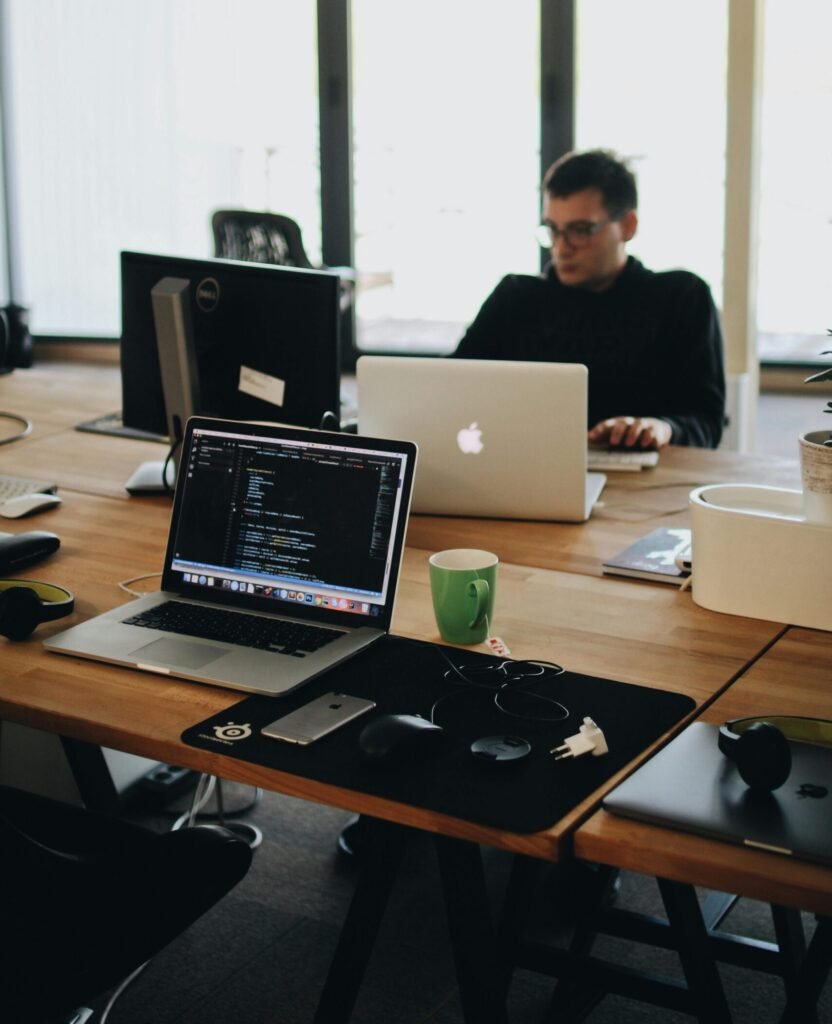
(498, 646)
(262, 386)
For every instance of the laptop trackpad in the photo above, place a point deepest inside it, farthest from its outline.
(182, 653)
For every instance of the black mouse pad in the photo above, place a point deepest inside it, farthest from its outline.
(497, 697)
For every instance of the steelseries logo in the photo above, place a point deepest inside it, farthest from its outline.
(208, 294)
(229, 733)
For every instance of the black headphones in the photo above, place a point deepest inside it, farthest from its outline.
(24, 604)
(15, 340)
(759, 747)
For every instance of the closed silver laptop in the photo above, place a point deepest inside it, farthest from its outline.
(496, 438)
(282, 560)
(691, 785)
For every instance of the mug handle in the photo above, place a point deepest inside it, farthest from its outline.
(478, 589)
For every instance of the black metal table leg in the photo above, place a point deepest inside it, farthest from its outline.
(791, 952)
(91, 774)
(517, 901)
(692, 945)
(802, 1003)
(576, 991)
(471, 931)
(380, 863)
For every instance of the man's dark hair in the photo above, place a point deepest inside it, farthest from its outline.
(595, 168)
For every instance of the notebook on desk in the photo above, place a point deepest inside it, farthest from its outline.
(496, 438)
(691, 785)
(282, 559)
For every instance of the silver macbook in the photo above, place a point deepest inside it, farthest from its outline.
(496, 438)
(691, 785)
(282, 559)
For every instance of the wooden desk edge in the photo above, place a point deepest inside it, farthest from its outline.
(37, 698)
(682, 857)
(550, 844)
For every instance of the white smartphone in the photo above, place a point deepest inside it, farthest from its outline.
(317, 718)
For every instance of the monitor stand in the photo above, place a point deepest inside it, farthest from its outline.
(180, 385)
(147, 479)
(113, 424)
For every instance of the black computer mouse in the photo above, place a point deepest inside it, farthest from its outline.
(399, 738)
(17, 550)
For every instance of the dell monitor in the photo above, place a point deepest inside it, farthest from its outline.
(265, 340)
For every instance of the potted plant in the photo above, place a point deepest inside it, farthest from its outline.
(816, 462)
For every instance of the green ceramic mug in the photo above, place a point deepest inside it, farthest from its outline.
(463, 583)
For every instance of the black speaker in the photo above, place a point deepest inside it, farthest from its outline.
(16, 347)
(24, 604)
(759, 747)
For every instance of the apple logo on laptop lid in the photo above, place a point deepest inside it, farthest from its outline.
(469, 440)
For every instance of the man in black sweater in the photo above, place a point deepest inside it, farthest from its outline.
(651, 341)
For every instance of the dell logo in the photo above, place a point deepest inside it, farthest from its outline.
(208, 294)
(469, 440)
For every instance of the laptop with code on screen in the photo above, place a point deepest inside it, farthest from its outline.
(496, 438)
(282, 560)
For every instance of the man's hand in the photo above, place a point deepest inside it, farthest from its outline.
(631, 432)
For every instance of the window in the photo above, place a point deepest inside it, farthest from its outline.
(447, 142)
(136, 121)
(795, 252)
(651, 81)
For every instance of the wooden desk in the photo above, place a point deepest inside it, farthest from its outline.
(792, 678)
(649, 635)
(631, 505)
(56, 397)
(654, 636)
(59, 394)
(637, 632)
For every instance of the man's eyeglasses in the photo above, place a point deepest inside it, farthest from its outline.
(576, 235)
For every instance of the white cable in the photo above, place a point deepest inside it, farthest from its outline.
(202, 794)
(25, 423)
(125, 584)
(127, 981)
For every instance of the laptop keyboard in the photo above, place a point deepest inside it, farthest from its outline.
(618, 459)
(235, 628)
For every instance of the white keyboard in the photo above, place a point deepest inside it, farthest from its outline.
(615, 460)
(15, 486)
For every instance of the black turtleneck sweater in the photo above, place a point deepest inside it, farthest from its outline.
(652, 343)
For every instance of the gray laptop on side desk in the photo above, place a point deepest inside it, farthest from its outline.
(496, 438)
(690, 785)
(282, 560)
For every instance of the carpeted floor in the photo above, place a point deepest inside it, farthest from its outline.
(262, 954)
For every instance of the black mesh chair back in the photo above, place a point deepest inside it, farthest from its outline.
(263, 237)
(259, 238)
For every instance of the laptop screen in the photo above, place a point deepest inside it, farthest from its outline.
(299, 522)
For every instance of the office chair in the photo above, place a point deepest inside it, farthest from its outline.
(259, 238)
(265, 237)
(87, 899)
